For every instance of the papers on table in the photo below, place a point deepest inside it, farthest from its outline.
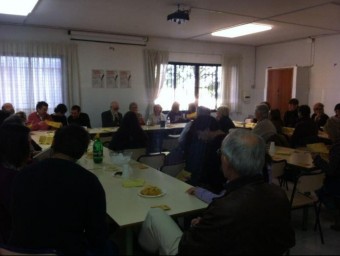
(46, 140)
(318, 148)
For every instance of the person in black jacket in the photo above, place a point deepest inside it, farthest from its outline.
(59, 114)
(129, 135)
(57, 204)
(291, 116)
(252, 217)
(79, 118)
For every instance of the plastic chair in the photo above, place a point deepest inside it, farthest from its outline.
(277, 171)
(303, 196)
(172, 169)
(153, 160)
(136, 152)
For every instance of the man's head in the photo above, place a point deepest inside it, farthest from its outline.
(75, 111)
(133, 107)
(8, 107)
(71, 140)
(175, 107)
(42, 108)
(222, 111)
(293, 104)
(261, 112)
(114, 106)
(243, 154)
(61, 109)
(337, 110)
(14, 144)
(304, 111)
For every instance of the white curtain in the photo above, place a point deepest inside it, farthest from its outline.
(36, 71)
(231, 83)
(155, 69)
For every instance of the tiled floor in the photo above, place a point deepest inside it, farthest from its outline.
(308, 241)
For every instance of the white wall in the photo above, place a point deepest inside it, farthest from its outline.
(323, 57)
(124, 57)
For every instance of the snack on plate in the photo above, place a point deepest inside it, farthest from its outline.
(151, 191)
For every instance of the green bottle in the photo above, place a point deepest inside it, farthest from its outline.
(97, 150)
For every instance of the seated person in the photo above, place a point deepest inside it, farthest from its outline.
(59, 114)
(129, 135)
(191, 114)
(275, 117)
(291, 116)
(134, 108)
(8, 107)
(36, 120)
(14, 154)
(79, 118)
(3, 116)
(64, 202)
(112, 117)
(264, 127)
(306, 130)
(331, 188)
(319, 116)
(157, 116)
(224, 122)
(175, 115)
(235, 223)
(332, 125)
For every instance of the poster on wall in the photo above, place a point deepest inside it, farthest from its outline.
(111, 78)
(125, 79)
(98, 78)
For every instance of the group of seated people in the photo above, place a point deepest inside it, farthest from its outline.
(227, 165)
(57, 206)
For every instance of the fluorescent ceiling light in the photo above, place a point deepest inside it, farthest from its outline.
(17, 7)
(242, 30)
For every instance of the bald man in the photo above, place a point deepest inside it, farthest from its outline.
(8, 107)
(112, 117)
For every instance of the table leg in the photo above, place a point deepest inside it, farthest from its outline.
(129, 241)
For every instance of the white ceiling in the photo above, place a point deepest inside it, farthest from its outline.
(292, 19)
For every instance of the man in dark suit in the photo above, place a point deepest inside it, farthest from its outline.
(112, 117)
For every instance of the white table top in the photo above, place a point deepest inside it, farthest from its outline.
(125, 206)
(144, 127)
(297, 157)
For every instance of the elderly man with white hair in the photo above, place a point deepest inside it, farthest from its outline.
(112, 117)
(252, 217)
(264, 127)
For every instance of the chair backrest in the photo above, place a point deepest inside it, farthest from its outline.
(153, 160)
(307, 183)
(310, 182)
(278, 168)
(172, 169)
(136, 152)
(279, 139)
(170, 142)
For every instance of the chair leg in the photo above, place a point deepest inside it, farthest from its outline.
(304, 218)
(317, 208)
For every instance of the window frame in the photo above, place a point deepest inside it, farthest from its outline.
(197, 77)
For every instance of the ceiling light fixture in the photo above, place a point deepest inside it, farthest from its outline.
(17, 7)
(242, 30)
(179, 16)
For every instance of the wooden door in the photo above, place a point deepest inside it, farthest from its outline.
(279, 88)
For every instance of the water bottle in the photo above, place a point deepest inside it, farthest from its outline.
(168, 121)
(97, 150)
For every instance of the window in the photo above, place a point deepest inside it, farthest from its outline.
(26, 80)
(186, 82)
